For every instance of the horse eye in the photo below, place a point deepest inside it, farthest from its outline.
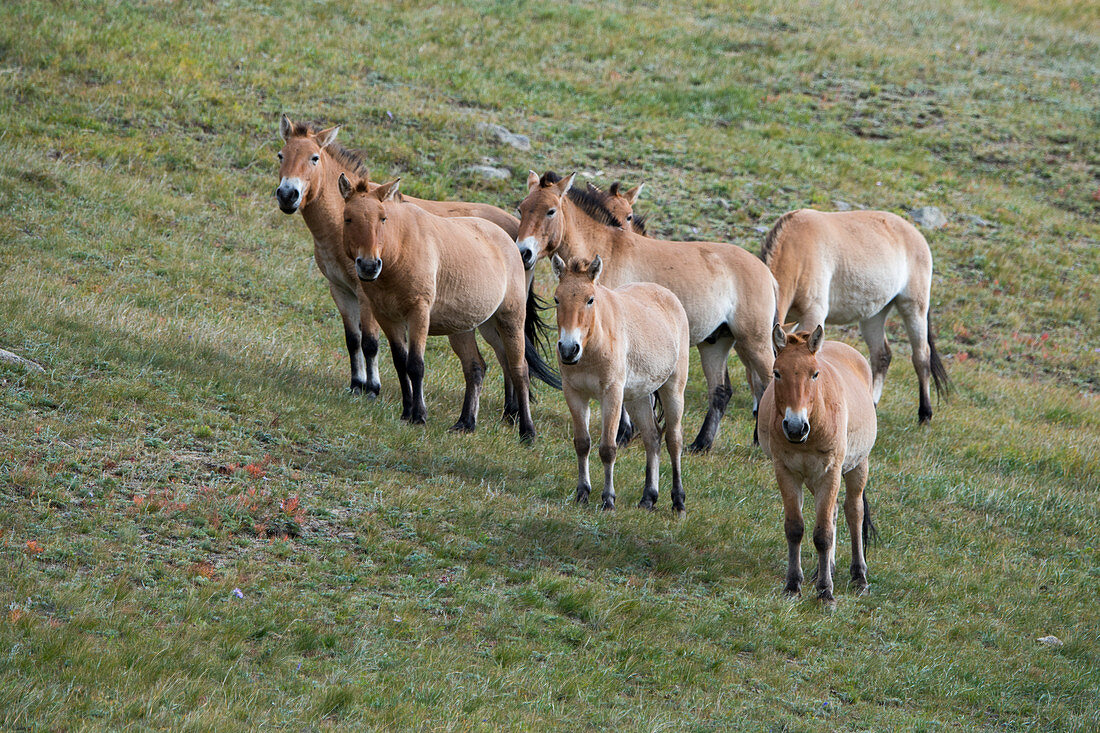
(383, 220)
(315, 158)
(347, 221)
(630, 217)
(551, 212)
(280, 156)
(776, 375)
(556, 301)
(591, 301)
(815, 375)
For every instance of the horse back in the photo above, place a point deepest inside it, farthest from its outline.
(651, 329)
(488, 212)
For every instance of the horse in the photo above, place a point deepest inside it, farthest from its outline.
(622, 347)
(429, 275)
(848, 266)
(728, 294)
(310, 163)
(818, 425)
(621, 205)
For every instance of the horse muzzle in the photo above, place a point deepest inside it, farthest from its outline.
(528, 252)
(368, 269)
(569, 353)
(288, 199)
(796, 431)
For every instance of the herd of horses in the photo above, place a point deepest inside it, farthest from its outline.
(629, 307)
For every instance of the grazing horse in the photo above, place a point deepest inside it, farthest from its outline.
(728, 295)
(817, 424)
(621, 205)
(621, 347)
(429, 275)
(843, 267)
(311, 162)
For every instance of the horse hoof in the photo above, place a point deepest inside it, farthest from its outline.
(792, 592)
(609, 506)
(698, 447)
(582, 496)
(647, 503)
(461, 427)
(826, 596)
(528, 436)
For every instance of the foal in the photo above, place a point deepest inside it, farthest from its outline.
(621, 347)
(429, 275)
(841, 267)
(817, 423)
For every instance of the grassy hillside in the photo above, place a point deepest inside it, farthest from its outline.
(200, 529)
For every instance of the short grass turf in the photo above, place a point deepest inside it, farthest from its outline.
(201, 530)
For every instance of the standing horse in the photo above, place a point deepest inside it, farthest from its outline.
(728, 295)
(429, 275)
(842, 267)
(311, 162)
(621, 347)
(817, 424)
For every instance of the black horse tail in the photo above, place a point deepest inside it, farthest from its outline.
(939, 374)
(537, 367)
(534, 327)
(869, 530)
(659, 414)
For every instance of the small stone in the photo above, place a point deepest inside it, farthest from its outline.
(842, 205)
(490, 173)
(517, 141)
(977, 220)
(1053, 641)
(762, 230)
(929, 217)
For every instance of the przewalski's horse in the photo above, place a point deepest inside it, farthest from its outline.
(310, 163)
(849, 266)
(817, 423)
(621, 205)
(621, 347)
(429, 275)
(728, 294)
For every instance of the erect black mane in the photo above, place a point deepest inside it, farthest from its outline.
(637, 223)
(350, 159)
(588, 202)
(768, 250)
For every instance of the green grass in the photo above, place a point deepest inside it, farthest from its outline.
(192, 435)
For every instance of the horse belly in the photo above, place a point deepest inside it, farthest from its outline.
(455, 313)
(854, 296)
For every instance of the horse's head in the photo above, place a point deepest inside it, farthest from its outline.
(540, 223)
(300, 162)
(795, 382)
(364, 224)
(621, 205)
(575, 298)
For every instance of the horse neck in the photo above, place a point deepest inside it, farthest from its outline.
(324, 213)
(586, 238)
(400, 228)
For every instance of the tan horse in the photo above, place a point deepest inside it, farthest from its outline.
(429, 275)
(728, 295)
(818, 424)
(311, 162)
(621, 347)
(621, 205)
(854, 266)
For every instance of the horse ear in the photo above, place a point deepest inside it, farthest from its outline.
(557, 265)
(564, 185)
(816, 339)
(779, 338)
(532, 181)
(387, 191)
(595, 269)
(632, 195)
(327, 137)
(285, 127)
(345, 187)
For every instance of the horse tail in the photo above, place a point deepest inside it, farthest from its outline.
(535, 328)
(939, 373)
(869, 530)
(537, 367)
(659, 414)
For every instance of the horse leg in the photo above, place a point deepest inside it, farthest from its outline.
(473, 370)
(611, 405)
(672, 401)
(418, 341)
(511, 405)
(582, 443)
(510, 330)
(399, 351)
(646, 423)
(825, 495)
(352, 307)
(915, 315)
(854, 481)
(790, 489)
(874, 333)
(713, 357)
(755, 352)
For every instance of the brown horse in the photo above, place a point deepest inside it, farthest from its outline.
(311, 162)
(728, 295)
(621, 347)
(844, 267)
(818, 425)
(621, 204)
(429, 275)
